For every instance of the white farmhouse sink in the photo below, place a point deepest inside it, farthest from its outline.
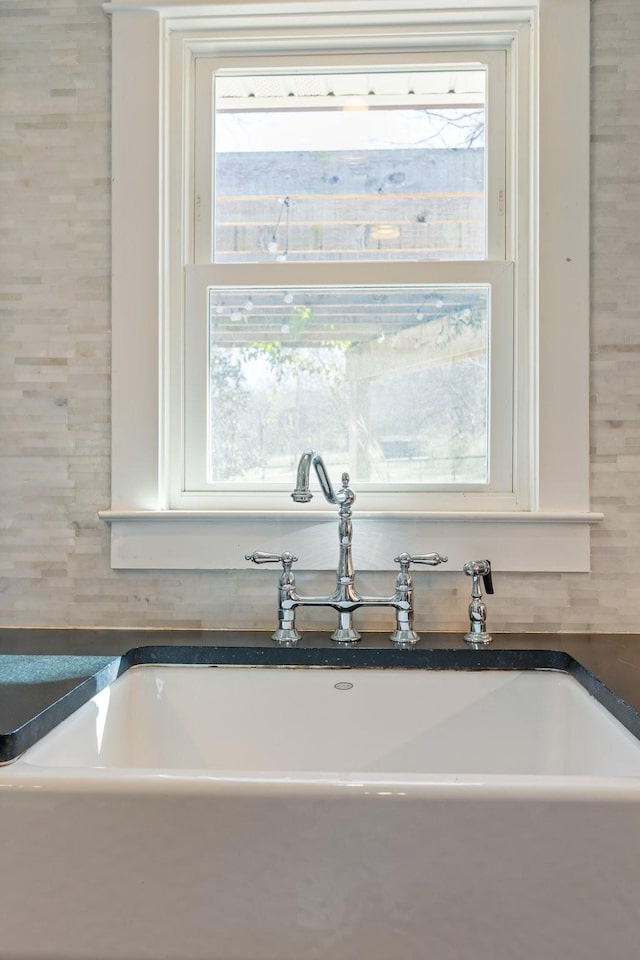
(321, 722)
(197, 813)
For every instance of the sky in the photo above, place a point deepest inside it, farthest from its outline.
(343, 130)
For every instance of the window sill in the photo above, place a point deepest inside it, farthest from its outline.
(215, 540)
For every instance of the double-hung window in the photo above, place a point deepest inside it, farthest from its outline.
(354, 210)
(351, 282)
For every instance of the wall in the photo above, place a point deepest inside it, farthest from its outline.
(54, 358)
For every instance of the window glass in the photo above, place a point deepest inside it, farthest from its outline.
(356, 165)
(390, 379)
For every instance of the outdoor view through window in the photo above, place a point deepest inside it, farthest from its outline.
(387, 379)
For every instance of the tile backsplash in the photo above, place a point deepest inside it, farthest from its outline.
(54, 359)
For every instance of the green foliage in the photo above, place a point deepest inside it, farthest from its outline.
(325, 358)
(231, 454)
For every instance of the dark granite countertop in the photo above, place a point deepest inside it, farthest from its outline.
(46, 674)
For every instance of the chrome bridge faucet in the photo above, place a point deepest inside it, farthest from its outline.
(345, 598)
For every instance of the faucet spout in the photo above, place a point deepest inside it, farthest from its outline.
(302, 493)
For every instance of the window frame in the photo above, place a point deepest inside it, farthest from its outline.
(354, 53)
(189, 489)
(188, 484)
(151, 41)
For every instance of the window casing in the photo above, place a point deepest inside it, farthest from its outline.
(540, 478)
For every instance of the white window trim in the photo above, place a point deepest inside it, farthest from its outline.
(197, 62)
(553, 533)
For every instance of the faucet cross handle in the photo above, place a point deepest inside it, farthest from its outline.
(287, 560)
(431, 559)
(404, 580)
(404, 635)
(258, 556)
(286, 635)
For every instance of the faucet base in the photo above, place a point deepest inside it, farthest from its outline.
(345, 635)
(345, 632)
(404, 638)
(286, 637)
(479, 639)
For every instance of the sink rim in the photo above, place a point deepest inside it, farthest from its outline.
(374, 652)
(341, 778)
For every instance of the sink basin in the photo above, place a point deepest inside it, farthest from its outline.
(297, 723)
(218, 813)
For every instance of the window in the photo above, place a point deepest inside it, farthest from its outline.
(339, 187)
(363, 234)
